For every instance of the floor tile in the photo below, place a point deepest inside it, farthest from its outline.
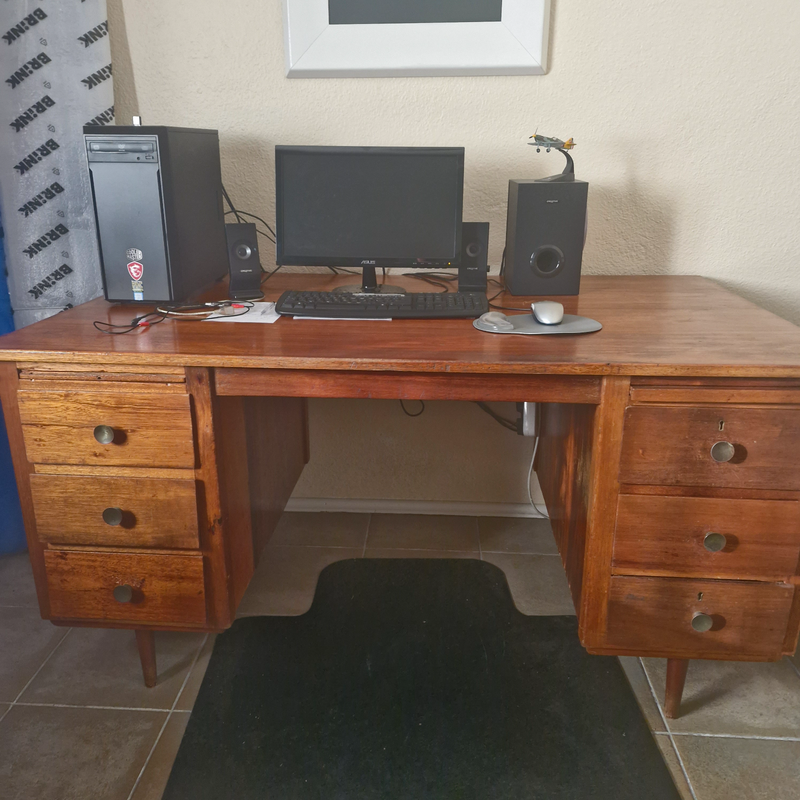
(286, 579)
(74, 753)
(4, 707)
(321, 529)
(387, 552)
(516, 535)
(189, 693)
(423, 532)
(16, 582)
(795, 659)
(741, 769)
(25, 641)
(734, 697)
(634, 672)
(101, 667)
(156, 773)
(538, 584)
(671, 760)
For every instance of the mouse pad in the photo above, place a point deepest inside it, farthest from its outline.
(527, 325)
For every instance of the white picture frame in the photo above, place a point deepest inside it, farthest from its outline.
(517, 45)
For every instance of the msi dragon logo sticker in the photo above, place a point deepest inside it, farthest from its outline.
(135, 270)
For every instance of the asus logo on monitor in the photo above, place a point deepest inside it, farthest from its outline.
(368, 262)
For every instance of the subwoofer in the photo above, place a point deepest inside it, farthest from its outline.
(545, 234)
(473, 268)
(244, 262)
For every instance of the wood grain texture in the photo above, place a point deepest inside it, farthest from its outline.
(603, 490)
(150, 429)
(166, 588)
(672, 445)
(22, 471)
(653, 616)
(676, 679)
(652, 325)
(156, 513)
(563, 457)
(402, 386)
(659, 535)
(146, 644)
(701, 395)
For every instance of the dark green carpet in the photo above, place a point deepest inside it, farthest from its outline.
(412, 680)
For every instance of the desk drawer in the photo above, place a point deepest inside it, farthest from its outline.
(707, 537)
(165, 589)
(672, 446)
(658, 616)
(148, 430)
(122, 512)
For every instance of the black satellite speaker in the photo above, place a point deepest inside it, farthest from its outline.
(244, 262)
(473, 267)
(545, 234)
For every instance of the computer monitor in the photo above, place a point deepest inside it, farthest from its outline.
(369, 207)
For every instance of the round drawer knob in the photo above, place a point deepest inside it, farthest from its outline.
(104, 434)
(722, 451)
(714, 542)
(113, 516)
(123, 594)
(702, 623)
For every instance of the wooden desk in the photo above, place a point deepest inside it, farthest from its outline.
(668, 552)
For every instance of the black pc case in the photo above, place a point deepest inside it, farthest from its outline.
(158, 207)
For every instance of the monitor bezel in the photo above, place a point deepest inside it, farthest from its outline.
(367, 260)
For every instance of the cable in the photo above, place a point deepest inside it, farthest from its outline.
(258, 230)
(270, 274)
(506, 423)
(262, 221)
(408, 413)
(228, 199)
(530, 475)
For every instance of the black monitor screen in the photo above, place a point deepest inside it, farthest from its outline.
(357, 206)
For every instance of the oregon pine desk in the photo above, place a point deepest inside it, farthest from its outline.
(156, 520)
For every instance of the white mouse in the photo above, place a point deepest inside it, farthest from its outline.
(548, 312)
(496, 320)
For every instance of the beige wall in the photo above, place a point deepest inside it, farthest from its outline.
(687, 121)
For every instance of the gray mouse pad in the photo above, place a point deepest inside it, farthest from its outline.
(527, 325)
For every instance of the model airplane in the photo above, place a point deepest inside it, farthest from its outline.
(550, 143)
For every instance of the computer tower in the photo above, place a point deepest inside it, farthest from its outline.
(158, 207)
(545, 234)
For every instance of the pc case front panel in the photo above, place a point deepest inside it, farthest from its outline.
(128, 202)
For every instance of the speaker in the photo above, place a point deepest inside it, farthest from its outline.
(473, 268)
(545, 234)
(243, 259)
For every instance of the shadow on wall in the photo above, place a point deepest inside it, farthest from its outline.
(126, 101)
(631, 231)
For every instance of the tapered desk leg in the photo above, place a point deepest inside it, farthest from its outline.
(676, 678)
(146, 642)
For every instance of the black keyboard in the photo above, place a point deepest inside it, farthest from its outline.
(413, 305)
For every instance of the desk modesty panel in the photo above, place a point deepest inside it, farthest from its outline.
(666, 457)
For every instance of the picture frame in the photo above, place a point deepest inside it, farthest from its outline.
(515, 45)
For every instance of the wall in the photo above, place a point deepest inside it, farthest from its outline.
(687, 122)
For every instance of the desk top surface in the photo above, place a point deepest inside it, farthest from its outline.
(652, 325)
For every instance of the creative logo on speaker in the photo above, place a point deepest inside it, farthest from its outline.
(132, 254)
(135, 270)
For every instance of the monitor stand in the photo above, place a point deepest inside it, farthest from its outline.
(370, 285)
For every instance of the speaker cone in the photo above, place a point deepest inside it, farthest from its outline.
(547, 261)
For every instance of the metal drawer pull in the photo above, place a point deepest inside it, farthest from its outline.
(124, 593)
(714, 542)
(702, 623)
(722, 451)
(104, 434)
(113, 516)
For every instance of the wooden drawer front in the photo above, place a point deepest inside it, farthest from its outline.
(149, 429)
(155, 512)
(667, 536)
(167, 589)
(654, 616)
(672, 446)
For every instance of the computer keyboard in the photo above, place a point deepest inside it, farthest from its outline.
(413, 305)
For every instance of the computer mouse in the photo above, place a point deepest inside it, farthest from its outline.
(496, 320)
(548, 312)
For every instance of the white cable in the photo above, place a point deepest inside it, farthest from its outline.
(530, 475)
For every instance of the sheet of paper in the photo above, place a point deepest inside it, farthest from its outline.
(260, 312)
(349, 319)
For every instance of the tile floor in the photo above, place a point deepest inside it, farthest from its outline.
(77, 722)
